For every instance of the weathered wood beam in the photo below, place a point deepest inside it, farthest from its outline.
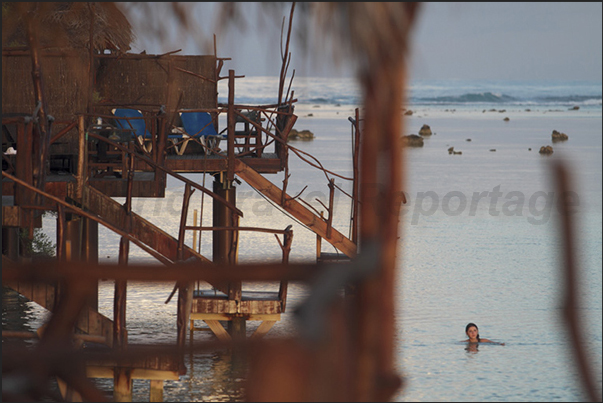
(315, 223)
(262, 329)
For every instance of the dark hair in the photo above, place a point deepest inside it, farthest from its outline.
(469, 325)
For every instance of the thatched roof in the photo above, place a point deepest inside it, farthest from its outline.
(67, 25)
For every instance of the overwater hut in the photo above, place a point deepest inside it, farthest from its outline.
(346, 348)
(89, 123)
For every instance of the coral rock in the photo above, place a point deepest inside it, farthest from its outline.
(557, 136)
(546, 150)
(304, 135)
(425, 131)
(412, 140)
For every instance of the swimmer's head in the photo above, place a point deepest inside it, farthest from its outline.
(472, 331)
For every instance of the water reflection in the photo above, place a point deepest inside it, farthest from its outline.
(217, 376)
(472, 348)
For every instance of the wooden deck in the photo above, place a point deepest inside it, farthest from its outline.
(145, 184)
(251, 303)
(213, 306)
(267, 163)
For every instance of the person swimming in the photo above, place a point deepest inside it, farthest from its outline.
(472, 332)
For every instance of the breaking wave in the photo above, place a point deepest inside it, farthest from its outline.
(480, 97)
(345, 91)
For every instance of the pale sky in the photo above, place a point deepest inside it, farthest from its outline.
(490, 41)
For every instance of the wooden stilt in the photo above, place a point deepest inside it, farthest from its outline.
(195, 232)
(73, 235)
(224, 249)
(122, 377)
(122, 385)
(156, 394)
(185, 300)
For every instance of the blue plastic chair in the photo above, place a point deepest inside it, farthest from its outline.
(137, 126)
(200, 125)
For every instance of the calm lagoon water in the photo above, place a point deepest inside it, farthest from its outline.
(492, 260)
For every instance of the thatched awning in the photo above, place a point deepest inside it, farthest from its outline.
(67, 25)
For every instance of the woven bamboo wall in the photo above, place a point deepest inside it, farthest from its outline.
(129, 79)
(65, 81)
(133, 80)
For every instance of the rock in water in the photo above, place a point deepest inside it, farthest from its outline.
(425, 131)
(412, 140)
(304, 135)
(557, 136)
(546, 150)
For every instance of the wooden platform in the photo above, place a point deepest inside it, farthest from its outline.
(252, 303)
(145, 184)
(214, 306)
(267, 163)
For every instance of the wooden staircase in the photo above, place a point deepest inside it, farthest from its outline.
(146, 232)
(316, 223)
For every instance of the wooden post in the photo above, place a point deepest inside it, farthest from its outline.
(23, 166)
(122, 385)
(89, 253)
(195, 231)
(40, 144)
(130, 176)
(73, 233)
(183, 217)
(91, 69)
(185, 289)
(185, 300)
(331, 197)
(381, 163)
(223, 244)
(120, 338)
(286, 248)
(156, 394)
(122, 377)
(232, 119)
(60, 232)
(160, 175)
(354, 235)
(81, 160)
